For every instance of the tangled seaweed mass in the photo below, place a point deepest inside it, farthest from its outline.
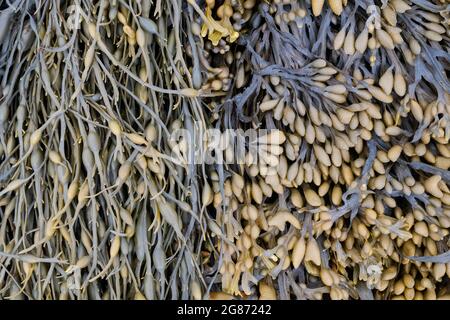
(224, 149)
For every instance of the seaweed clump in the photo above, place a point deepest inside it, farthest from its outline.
(124, 173)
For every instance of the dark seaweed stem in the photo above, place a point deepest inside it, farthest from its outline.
(429, 67)
(352, 197)
(445, 174)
